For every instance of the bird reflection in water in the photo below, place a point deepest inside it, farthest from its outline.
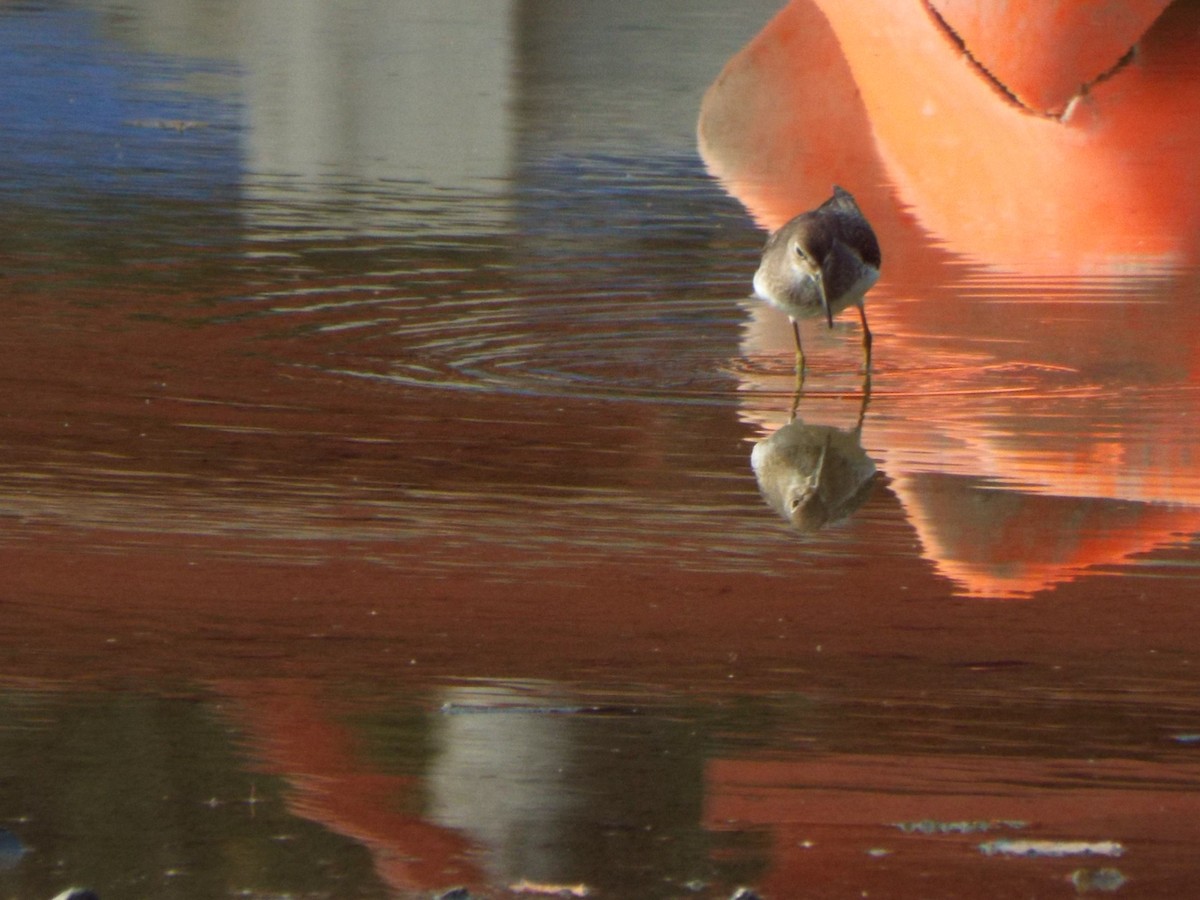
(814, 475)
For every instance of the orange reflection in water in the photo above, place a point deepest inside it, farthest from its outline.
(295, 738)
(1035, 385)
(874, 92)
(1043, 50)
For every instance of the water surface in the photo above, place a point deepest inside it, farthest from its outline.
(376, 502)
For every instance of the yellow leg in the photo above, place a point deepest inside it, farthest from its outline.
(862, 316)
(866, 401)
(799, 356)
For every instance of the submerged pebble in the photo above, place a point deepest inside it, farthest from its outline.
(1103, 880)
(933, 826)
(11, 849)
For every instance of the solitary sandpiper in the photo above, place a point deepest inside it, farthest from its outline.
(818, 264)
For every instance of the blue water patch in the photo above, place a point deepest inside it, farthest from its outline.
(84, 111)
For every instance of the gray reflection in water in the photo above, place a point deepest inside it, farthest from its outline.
(374, 89)
(502, 773)
(335, 97)
(562, 791)
(814, 475)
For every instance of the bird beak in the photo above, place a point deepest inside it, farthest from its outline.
(821, 462)
(824, 300)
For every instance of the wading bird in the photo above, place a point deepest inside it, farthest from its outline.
(818, 264)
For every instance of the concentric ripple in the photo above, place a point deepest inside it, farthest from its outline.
(587, 346)
(619, 278)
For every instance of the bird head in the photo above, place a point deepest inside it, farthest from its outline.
(807, 263)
